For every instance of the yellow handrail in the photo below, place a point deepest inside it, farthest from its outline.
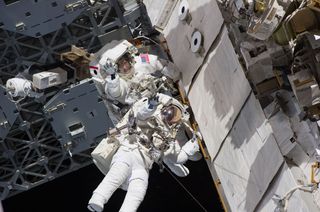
(315, 166)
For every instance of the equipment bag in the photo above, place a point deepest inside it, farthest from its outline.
(102, 155)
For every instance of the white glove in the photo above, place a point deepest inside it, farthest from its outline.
(155, 154)
(191, 147)
(153, 101)
(109, 68)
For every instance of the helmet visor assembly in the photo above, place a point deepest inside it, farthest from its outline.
(171, 114)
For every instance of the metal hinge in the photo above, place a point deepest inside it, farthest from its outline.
(75, 5)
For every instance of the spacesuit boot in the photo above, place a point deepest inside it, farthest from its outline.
(96, 203)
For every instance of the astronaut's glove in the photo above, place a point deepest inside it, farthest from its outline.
(153, 101)
(191, 147)
(110, 68)
(198, 135)
(155, 154)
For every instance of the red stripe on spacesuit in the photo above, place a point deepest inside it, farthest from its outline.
(94, 67)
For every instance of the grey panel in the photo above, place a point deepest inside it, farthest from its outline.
(78, 116)
(8, 113)
(39, 17)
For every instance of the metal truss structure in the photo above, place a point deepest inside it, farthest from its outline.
(18, 50)
(30, 152)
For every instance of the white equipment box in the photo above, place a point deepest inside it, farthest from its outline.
(49, 78)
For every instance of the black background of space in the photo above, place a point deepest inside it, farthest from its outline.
(72, 192)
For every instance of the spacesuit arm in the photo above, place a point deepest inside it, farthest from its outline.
(116, 88)
(191, 146)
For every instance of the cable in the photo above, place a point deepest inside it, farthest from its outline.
(145, 37)
(283, 202)
(203, 208)
(137, 27)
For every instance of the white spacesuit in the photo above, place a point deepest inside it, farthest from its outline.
(128, 77)
(129, 170)
(164, 120)
(153, 137)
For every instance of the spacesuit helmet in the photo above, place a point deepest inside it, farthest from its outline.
(171, 114)
(125, 64)
(120, 55)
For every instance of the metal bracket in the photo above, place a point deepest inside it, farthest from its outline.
(58, 107)
(76, 5)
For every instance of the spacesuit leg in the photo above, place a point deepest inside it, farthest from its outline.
(136, 191)
(117, 174)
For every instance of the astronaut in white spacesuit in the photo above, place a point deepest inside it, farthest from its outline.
(157, 122)
(128, 77)
(165, 120)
